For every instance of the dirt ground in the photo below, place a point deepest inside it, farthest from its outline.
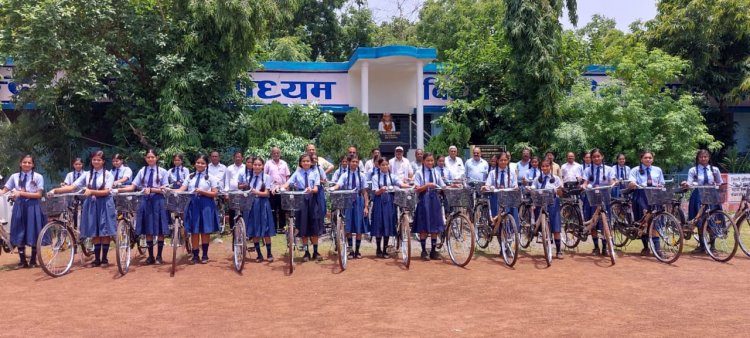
(580, 295)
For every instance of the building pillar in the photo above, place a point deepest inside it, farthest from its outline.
(365, 87)
(420, 105)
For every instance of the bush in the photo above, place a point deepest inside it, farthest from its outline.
(355, 131)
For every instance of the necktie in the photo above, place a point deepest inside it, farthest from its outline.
(150, 178)
(93, 182)
(622, 173)
(502, 179)
(197, 181)
(178, 170)
(255, 181)
(76, 175)
(442, 173)
(544, 184)
(533, 173)
(306, 183)
(117, 174)
(429, 175)
(649, 181)
(705, 176)
(23, 181)
(596, 179)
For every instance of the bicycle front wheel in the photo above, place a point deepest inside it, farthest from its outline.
(607, 233)
(55, 248)
(239, 247)
(743, 234)
(719, 236)
(572, 223)
(665, 238)
(176, 240)
(459, 237)
(526, 232)
(546, 241)
(122, 241)
(482, 226)
(404, 242)
(341, 243)
(290, 247)
(509, 239)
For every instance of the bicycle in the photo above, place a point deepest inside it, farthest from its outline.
(406, 201)
(177, 202)
(655, 222)
(239, 201)
(505, 224)
(340, 201)
(539, 225)
(292, 201)
(459, 235)
(58, 239)
(578, 231)
(571, 215)
(5, 244)
(742, 217)
(126, 239)
(713, 224)
(480, 215)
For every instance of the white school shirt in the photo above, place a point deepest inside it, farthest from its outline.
(231, 179)
(101, 176)
(161, 177)
(199, 180)
(550, 185)
(522, 168)
(415, 167)
(455, 166)
(183, 172)
(255, 181)
(419, 178)
(493, 179)
(621, 173)
(345, 181)
(657, 177)
(402, 169)
(532, 173)
(444, 173)
(369, 166)
(385, 180)
(72, 176)
(571, 172)
(298, 179)
(606, 175)
(338, 172)
(217, 171)
(696, 175)
(34, 183)
(122, 171)
(477, 170)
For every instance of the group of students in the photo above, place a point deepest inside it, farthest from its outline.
(98, 215)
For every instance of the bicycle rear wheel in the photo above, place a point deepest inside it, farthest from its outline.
(459, 237)
(122, 241)
(55, 248)
(607, 233)
(665, 237)
(404, 240)
(621, 219)
(342, 243)
(239, 247)
(509, 239)
(546, 242)
(719, 236)
(572, 223)
(743, 234)
(482, 226)
(525, 230)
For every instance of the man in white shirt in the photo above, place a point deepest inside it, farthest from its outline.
(375, 152)
(231, 181)
(352, 150)
(400, 166)
(477, 168)
(322, 162)
(216, 170)
(278, 170)
(454, 163)
(571, 171)
(525, 163)
(417, 164)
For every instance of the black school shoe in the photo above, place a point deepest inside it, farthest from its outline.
(424, 256)
(316, 256)
(22, 264)
(159, 261)
(193, 261)
(150, 261)
(306, 257)
(270, 258)
(357, 255)
(434, 255)
(105, 263)
(96, 263)
(204, 260)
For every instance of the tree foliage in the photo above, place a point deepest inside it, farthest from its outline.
(453, 134)
(355, 131)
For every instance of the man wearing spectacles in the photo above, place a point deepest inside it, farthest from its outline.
(477, 168)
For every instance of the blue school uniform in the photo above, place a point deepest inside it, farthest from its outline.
(98, 215)
(308, 220)
(27, 218)
(177, 175)
(201, 216)
(602, 175)
(383, 209)
(622, 173)
(354, 216)
(550, 182)
(72, 176)
(645, 177)
(259, 219)
(337, 174)
(702, 176)
(502, 179)
(121, 172)
(321, 194)
(429, 215)
(152, 217)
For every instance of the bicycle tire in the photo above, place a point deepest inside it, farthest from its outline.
(546, 242)
(607, 233)
(175, 246)
(620, 221)
(482, 226)
(743, 225)
(122, 242)
(239, 244)
(670, 233)
(342, 244)
(290, 247)
(525, 230)
(509, 239)
(713, 224)
(404, 241)
(572, 225)
(61, 239)
(460, 240)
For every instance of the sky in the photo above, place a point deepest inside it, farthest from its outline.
(623, 11)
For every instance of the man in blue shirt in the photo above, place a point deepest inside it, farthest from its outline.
(477, 168)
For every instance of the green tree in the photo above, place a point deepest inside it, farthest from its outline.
(355, 131)
(398, 31)
(714, 35)
(288, 48)
(358, 28)
(453, 133)
(274, 120)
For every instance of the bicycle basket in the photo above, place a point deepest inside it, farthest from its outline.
(542, 198)
(241, 201)
(292, 201)
(508, 199)
(341, 200)
(709, 195)
(127, 202)
(657, 196)
(177, 202)
(599, 197)
(406, 199)
(457, 197)
(56, 205)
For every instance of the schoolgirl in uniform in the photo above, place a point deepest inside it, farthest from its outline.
(178, 173)
(72, 176)
(27, 217)
(152, 217)
(533, 172)
(355, 216)
(122, 174)
(549, 181)
(309, 223)
(428, 216)
(98, 216)
(201, 216)
(442, 171)
(644, 175)
(383, 209)
(342, 169)
(702, 174)
(502, 177)
(259, 219)
(622, 173)
(321, 194)
(597, 175)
